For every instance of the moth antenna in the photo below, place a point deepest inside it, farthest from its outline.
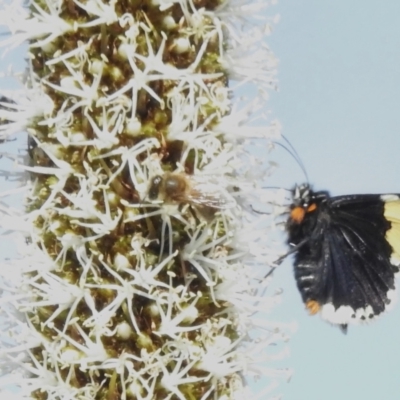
(292, 151)
(276, 188)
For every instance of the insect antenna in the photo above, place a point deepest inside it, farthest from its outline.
(277, 188)
(292, 151)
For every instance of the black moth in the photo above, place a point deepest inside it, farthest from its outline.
(347, 252)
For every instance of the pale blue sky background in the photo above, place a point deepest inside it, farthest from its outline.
(339, 104)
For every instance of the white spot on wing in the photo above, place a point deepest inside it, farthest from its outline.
(342, 315)
(392, 295)
(394, 260)
(363, 314)
(347, 315)
(389, 197)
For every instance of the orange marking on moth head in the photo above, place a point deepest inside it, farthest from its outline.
(312, 207)
(313, 307)
(297, 214)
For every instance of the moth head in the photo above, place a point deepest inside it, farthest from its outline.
(302, 195)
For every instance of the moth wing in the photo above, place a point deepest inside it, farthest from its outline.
(348, 269)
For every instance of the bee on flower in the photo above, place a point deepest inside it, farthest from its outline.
(178, 188)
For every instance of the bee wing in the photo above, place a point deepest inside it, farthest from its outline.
(210, 195)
